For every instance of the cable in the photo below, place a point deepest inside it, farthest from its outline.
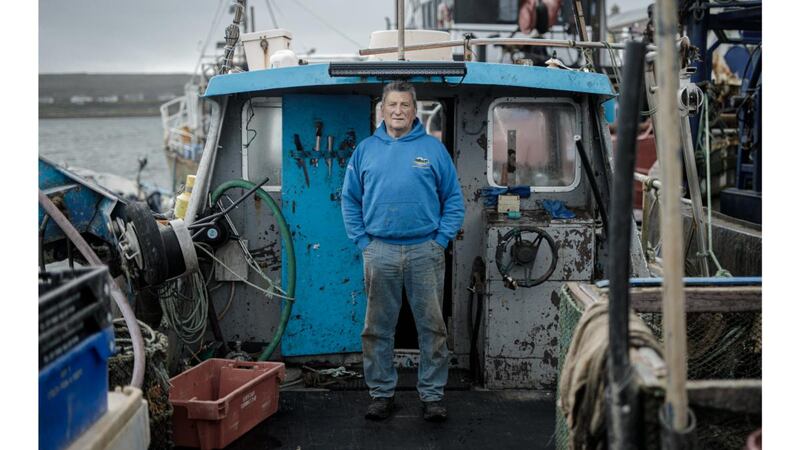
(230, 301)
(189, 325)
(324, 22)
(271, 14)
(214, 23)
(250, 115)
(720, 271)
(268, 292)
(42, 228)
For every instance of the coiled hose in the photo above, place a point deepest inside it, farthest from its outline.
(290, 260)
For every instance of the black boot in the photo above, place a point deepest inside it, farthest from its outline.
(434, 411)
(380, 408)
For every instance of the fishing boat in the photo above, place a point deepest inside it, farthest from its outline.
(551, 292)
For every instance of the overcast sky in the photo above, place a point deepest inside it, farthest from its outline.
(162, 36)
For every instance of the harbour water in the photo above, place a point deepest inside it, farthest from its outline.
(112, 145)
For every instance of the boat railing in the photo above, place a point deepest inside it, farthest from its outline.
(177, 124)
(467, 43)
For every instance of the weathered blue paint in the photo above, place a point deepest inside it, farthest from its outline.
(328, 313)
(481, 74)
(610, 110)
(88, 206)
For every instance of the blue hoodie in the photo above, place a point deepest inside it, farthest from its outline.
(401, 191)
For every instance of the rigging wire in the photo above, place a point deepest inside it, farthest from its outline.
(271, 13)
(325, 22)
(214, 23)
(705, 142)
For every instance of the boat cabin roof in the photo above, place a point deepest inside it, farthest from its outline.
(477, 74)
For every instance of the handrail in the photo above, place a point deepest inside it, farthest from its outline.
(534, 42)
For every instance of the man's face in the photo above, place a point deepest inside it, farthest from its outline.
(399, 111)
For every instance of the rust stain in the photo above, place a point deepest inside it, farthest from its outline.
(555, 299)
(482, 142)
(550, 359)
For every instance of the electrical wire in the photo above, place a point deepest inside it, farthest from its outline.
(230, 301)
(250, 115)
(188, 322)
(270, 291)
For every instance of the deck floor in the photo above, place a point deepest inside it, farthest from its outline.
(335, 420)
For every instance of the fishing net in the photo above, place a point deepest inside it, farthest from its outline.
(721, 347)
(568, 316)
(155, 386)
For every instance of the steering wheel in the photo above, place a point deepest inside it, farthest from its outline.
(524, 253)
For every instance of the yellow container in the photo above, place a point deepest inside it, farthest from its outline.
(182, 201)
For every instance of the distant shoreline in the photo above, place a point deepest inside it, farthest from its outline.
(107, 95)
(95, 111)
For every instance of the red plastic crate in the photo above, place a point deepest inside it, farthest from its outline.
(219, 400)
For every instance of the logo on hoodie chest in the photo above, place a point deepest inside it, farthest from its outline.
(421, 163)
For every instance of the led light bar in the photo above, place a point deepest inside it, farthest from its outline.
(398, 69)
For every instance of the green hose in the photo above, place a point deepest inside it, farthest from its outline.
(290, 261)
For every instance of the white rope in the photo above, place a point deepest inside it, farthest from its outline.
(189, 326)
(720, 271)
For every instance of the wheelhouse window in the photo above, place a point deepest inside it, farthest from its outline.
(261, 141)
(531, 142)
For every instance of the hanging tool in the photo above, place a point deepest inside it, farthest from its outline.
(317, 139)
(299, 156)
(329, 157)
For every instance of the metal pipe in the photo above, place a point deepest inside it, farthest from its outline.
(532, 42)
(668, 147)
(593, 183)
(401, 30)
(125, 308)
(622, 429)
(205, 169)
(692, 180)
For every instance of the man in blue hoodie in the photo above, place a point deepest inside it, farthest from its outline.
(402, 204)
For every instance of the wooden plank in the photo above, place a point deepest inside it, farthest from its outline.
(701, 299)
(583, 294)
(742, 396)
(668, 149)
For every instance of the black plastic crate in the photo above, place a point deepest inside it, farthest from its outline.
(73, 305)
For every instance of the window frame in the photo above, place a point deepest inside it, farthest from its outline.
(490, 140)
(260, 102)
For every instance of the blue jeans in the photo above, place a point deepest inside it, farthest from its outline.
(420, 268)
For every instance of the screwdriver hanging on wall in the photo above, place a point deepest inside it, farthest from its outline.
(329, 156)
(317, 139)
(299, 156)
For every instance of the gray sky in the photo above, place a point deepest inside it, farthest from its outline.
(167, 35)
(160, 36)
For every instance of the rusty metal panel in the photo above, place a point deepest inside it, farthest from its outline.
(519, 373)
(521, 326)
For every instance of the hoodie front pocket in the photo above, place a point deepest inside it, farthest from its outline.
(399, 217)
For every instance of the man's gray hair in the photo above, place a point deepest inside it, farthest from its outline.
(400, 86)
